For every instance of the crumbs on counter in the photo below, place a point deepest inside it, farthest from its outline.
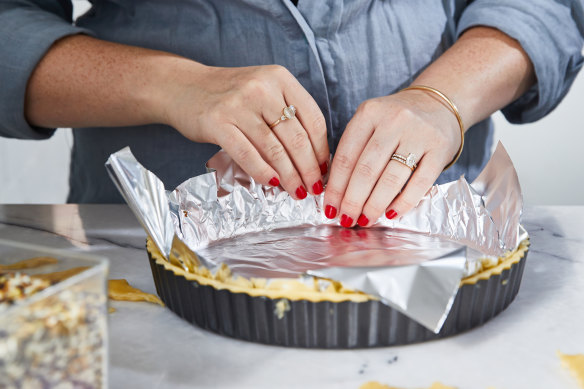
(377, 385)
(575, 363)
(121, 290)
(392, 360)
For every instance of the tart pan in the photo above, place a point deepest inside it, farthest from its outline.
(325, 324)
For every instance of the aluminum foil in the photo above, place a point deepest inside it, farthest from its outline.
(413, 264)
(145, 194)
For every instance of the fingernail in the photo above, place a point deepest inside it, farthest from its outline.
(362, 221)
(301, 192)
(317, 187)
(274, 181)
(391, 214)
(346, 221)
(330, 211)
(323, 168)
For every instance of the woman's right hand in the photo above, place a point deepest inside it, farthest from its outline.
(233, 108)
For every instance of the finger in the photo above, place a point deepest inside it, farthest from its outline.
(296, 141)
(274, 153)
(368, 169)
(353, 141)
(236, 144)
(389, 185)
(421, 181)
(311, 118)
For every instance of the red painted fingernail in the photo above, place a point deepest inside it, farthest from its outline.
(274, 181)
(330, 211)
(346, 221)
(323, 168)
(391, 214)
(362, 221)
(317, 187)
(301, 192)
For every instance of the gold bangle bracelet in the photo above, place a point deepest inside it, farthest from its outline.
(454, 110)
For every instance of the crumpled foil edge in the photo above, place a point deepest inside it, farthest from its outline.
(226, 203)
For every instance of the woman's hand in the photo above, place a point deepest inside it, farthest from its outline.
(364, 182)
(482, 72)
(234, 107)
(87, 82)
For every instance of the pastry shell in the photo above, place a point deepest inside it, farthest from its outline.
(289, 312)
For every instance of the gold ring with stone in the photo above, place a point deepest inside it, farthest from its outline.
(409, 161)
(288, 112)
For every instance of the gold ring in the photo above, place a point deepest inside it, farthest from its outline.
(409, 161)
(288, 112)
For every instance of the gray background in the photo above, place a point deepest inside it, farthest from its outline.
(546, 155)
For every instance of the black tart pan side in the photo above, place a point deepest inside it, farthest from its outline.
(328, 325)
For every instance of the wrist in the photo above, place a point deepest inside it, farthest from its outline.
(437, 109)
(445, 100)
(169, 76)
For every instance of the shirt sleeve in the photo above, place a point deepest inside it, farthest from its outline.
(550, 32)
(28, 29)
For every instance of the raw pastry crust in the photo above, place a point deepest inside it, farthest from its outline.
(121, 290)
(295, 289)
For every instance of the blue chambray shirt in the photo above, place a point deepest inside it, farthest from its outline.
(342, 51)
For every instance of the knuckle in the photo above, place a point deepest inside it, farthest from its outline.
(365, 170)
(318, 132)
(333, 193)
(375, 209)
(264, 132)
(376, 147)
(243, 154)
(290, 181)
(232, 104)
(214, 116)
(343, 162)
(276, 152)
(368, 107)
(298, 140)
(319, 125)
(313, 172)
(406, 113)
(255, 88)
(279, 70)
(391, 180)
(351, 205)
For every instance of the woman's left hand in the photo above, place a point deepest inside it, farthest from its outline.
(364, 182)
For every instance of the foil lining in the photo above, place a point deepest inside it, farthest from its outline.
(145, 195)
(413, 264)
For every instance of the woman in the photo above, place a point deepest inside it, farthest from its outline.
(140, 73)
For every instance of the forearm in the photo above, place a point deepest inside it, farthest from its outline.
(83, 82)
(482, 72)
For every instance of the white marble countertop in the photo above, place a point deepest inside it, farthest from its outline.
(150, 347)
